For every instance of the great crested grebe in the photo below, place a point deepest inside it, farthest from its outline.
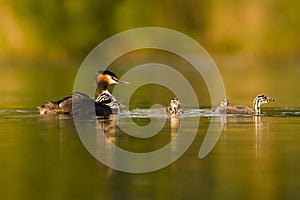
(174, 107)
(224, 107)
(105, 103)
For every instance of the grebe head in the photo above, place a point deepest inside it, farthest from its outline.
(175, 104)
(224, 103)
(105, 78)
(261, 99)
(108, 78)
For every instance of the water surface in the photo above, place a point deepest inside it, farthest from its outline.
(42, 157)
(254, 158)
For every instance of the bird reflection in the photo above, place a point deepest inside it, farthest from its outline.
(262, 130)
(257, 129)
(107, 126)
(174, 124)
(106, 138)
(110, 139)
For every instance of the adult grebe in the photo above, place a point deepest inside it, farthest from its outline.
(224, 108)
(105, 103)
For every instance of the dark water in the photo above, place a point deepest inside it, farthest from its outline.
(254, 158)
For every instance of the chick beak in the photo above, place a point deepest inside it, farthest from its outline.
(270, 99)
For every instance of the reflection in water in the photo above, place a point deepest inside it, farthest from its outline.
(105, 135)
(110, 140)
(212, 136)
(108, 126)
(224, 121)
(262, 131)
(244, 148)
(255, 158)
(174, 125)
(258, 136)
(264, 159)
(248, 142)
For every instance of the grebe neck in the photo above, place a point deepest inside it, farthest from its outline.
(257, 103)
(101, 87)
(260, 99)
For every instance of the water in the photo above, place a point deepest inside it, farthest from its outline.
(254, 158)
(43, 157)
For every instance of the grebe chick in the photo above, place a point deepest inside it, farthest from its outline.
(174, 107)
(224, 103)
(222, 107)
(105, 103)
(241, 109)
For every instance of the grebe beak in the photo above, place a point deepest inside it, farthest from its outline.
(270, 99)
(119, 80)
(124, 82)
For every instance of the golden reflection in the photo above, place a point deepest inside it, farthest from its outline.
(262, 130)
(257, 131)
(174, 124)
(110, 136)
(259, 126)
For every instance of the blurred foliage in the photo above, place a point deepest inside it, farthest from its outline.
(71, 28)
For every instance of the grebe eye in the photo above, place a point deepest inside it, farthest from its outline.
(114, 78)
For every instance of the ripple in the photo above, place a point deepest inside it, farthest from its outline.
(18, 113)
(207, 112)
(154, 113)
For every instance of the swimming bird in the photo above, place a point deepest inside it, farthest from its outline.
(174, 107)
(105, 104)
(225, 108)
(222, 108)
